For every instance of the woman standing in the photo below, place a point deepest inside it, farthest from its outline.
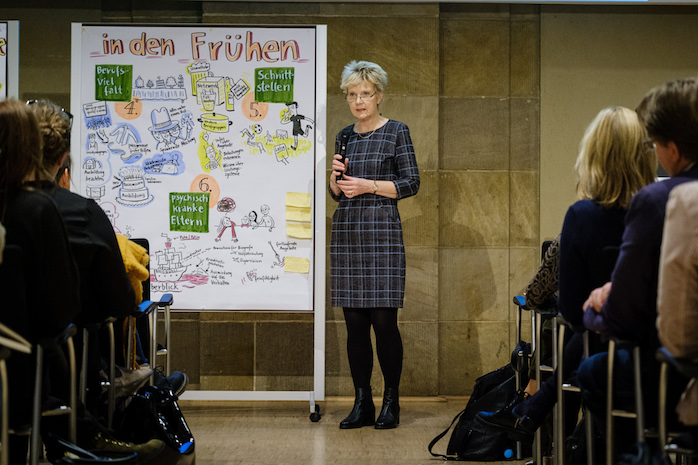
(367, 251)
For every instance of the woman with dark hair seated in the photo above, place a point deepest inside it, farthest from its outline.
(48, 271)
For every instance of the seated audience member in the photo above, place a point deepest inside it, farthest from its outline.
(677, 293)
(627, 309)
(50, 277)
(104, 288)
(612, 165)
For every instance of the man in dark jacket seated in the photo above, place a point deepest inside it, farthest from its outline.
(626, 307)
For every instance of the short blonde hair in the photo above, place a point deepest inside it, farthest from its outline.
(614, 161)
(358, 71)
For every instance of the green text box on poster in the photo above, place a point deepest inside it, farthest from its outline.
(189, 211)
(113, 82)
(273, 85)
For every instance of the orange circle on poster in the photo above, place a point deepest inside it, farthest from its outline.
(129, 110)
(254, 111)
(206, 183)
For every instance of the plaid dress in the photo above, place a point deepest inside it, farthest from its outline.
(367, 253)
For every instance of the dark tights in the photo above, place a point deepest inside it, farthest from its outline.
(360, 349)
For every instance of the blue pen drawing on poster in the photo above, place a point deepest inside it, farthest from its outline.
(219, 127)
(171, 163)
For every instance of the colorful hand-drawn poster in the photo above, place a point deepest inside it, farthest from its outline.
(192, 137)
(3, 60)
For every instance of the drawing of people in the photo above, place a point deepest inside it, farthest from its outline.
(211, 153)
(162, 129)
(252, 218)
(266, 220)
(161, 140)
(174, 134)
(187, 124)
(226, 205)
(92, 145)
(251, 142)
(226, 223)
(296, 119)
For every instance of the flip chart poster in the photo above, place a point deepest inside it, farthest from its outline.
(202, 139)
(3, 60)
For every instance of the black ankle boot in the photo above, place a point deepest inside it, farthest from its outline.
(363, 413)
(390, 413)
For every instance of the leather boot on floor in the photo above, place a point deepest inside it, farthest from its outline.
(363, 413)
(390, 413)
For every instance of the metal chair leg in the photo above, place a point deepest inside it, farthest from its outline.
(83, 367)
(588, 425)
(36, 412)
(609, 403)
(73, 415)
(111, 402)
(538, 439)
(153, 320)
(5, 436)
(559, 419)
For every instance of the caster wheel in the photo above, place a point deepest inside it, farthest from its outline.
(315, 416)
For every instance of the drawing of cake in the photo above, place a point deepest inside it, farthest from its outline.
(133, 191)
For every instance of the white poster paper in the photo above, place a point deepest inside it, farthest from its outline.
(193, 137)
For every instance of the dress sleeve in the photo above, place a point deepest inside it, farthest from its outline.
(631, 303)
(407, 182)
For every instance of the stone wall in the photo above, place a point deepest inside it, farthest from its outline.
(465, 79)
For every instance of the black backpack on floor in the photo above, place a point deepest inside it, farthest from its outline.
(470, 440)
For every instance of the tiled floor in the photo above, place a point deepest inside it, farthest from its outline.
(261, 433)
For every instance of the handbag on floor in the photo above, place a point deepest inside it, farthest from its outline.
(470, 441)
(153, 413)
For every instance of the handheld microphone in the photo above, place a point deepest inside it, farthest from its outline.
(341, 148)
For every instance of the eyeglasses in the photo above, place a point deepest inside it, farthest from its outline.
(363, 96)
(65, 113)
(649, 144)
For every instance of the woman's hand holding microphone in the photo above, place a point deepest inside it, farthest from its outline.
(350, 186)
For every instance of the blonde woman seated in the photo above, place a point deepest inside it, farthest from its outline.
(613, 163)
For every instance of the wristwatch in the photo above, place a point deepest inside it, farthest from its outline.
(375, 186)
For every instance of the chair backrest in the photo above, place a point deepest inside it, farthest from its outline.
(146, 284)
(544, 248)
(13, 291)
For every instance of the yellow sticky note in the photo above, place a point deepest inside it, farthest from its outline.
(299, 230)
(298, 199)
(298, 214)
(297, 265)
